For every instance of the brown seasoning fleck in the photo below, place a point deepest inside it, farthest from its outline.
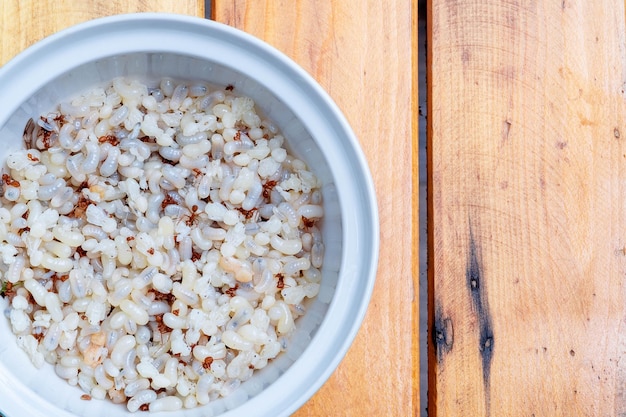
(59, 118)
(167, 201)
(281, 281)
(161, 326)
(81, 206)
(110, 139)
(9, 291)
(246, 213)
(267, 188)
(45, 139)
(191, 219)
(308, 222)
(195, 256)
(56, 277)
(231, 292)
(207, 362)
(159, 296)
(6, 178)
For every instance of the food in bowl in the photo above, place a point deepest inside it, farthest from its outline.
(150, 46)
(158, 241)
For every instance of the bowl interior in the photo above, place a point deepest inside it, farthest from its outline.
(314, 132)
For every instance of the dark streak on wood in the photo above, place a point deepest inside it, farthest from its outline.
(506, 128)
(480, 303)
(443, 334)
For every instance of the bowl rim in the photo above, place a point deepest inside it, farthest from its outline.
(60, 46)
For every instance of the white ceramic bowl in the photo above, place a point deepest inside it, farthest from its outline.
(157, 45)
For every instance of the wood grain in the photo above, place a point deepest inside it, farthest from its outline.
(26, 22)
(361, 53)
(527, 136)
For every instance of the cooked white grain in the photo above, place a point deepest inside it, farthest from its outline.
(153, 278)
(169, 403)
(141, 398)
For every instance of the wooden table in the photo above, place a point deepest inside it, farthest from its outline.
(361, 53)
(527, 181)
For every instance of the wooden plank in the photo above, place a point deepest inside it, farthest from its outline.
(416, 323)
(528, 182)
(361, 53)
(25, 22)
